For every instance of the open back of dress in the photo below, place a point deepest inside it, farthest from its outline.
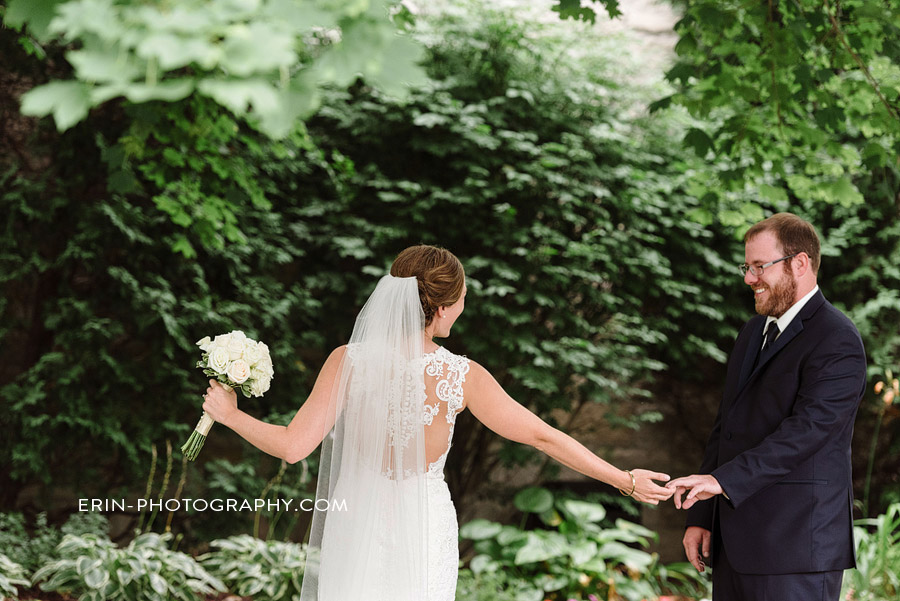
(390, 530)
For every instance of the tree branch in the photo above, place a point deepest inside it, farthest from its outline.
(862, 65)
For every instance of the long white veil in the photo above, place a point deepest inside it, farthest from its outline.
(371, 541)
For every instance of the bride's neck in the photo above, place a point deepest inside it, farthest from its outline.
(428, 344)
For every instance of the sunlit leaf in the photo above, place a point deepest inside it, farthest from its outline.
(68, 102)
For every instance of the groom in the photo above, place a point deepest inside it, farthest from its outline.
(773, 499)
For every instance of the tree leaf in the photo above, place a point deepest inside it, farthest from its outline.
(103, 66)
(174, 51)
(170, 91)
(844, 192)
(257, 48)
(34, 14)
(699, 141)
(68, 101)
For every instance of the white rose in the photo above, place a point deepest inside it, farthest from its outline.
(238, 371)
(251, 353)
(222, 340)
(265, 364)
(218, 359)
(204, 343)
(258, 373)
(236, 347)
(256, 388)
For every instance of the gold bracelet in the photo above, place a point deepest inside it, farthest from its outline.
(633, 485)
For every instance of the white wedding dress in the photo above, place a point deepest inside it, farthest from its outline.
(445, 374)
(389, 428)
(377, 575)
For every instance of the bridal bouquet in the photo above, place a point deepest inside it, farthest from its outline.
(237, 362)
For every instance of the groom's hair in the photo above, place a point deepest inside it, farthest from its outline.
(438, 272)
(795, 235)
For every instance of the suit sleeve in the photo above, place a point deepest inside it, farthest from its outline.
(832, 380)
(701, 514)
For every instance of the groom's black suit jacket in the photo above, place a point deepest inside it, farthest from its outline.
(780, 446)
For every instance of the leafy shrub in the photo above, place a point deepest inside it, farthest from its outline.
(256, 476)
(265, 570)
(489, 586)
(588, 247)
(877, 573)
(11, 575)
(576, 557)
(32, 551)
(94, 568)
(86, 522)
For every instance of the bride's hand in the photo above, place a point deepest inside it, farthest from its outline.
(219, 402)
(648, 491)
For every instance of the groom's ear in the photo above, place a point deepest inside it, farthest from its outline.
(800, 264)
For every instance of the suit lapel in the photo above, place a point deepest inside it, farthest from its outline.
(756, 335)
(793, 329)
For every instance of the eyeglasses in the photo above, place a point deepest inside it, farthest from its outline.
(757, 270)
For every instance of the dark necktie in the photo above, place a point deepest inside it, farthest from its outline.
(771, 335)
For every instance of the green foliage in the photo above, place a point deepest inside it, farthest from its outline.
(800, 98)
(32, 547)
(251, 567)
(114, 289)
(263, 60)
(575, 557)
(796, 99)
(860, 274)
(257, 478)
(11, 576)
(199, 165)
(29, 552)
(573, 9)
(147, 570)
(492, 586)
(582, 267)
(576, 220)
(261, 63)
(877, 573)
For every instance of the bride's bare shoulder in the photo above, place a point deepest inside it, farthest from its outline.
(478, 376)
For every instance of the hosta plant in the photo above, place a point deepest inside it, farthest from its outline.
(94, 569)
(574, 555)
(877, 573)
(270, 570)
(11, 576)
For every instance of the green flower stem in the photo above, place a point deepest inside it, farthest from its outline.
(192, 447)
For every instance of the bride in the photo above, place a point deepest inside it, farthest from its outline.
(384, 408)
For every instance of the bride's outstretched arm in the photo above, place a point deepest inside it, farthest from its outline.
(490, 404)
(294, 441)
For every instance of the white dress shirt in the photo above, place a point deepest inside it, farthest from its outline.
(785, 320)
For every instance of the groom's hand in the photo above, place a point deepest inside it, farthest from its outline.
(696, 542)
(699, 488)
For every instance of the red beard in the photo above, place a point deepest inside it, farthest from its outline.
(780, 298)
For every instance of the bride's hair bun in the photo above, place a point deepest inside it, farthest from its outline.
(438, 272)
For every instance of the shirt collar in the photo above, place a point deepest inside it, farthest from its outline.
(789, 315)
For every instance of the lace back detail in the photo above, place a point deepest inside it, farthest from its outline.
(445, 374)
